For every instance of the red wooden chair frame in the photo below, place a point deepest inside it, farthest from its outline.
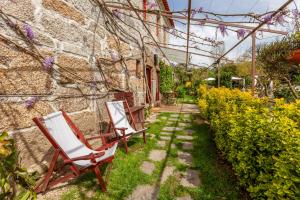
(49, 182)
(125, 137)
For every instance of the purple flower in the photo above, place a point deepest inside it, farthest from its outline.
(200, 9)
(116, 13)
(151, 5)
(29, 103)
(48, 63)
(29, 32)
(114, 56)
(194, 12)
(241, 33)
(93, 84)
(279, 19)
(223, 29)
(296, 13)
(268, 19)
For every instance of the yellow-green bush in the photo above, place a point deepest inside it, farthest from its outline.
(260, 140)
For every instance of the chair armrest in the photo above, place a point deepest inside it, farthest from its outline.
(86, 157)
(106, 146)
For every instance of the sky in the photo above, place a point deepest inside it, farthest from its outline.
(228, 7)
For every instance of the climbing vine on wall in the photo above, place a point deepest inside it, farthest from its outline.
(166, 78)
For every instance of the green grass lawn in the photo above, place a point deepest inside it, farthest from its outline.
(125, 175)
(187, 99)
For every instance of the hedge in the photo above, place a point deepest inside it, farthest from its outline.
(260, 140)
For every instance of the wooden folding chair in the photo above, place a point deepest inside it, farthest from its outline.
(73, 147)
(120, 123)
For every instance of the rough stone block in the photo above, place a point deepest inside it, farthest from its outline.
(77, 103)
(21, 9)
(64, 9)
(74, 65)
(35, 151)
(87, 122)
(62, 30)
(87, 8)
(21, 73)
(16, 116)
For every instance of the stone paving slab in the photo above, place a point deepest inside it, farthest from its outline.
(163, 118)
(161, 143)
(170, 122)
(173, 119)
(174, 115)
(190, 179)
(168, 128)
(187, 197)
(166, 133)
(187, 146)
(165, 137)
(184, 137)
(185, 158)
(157, 155)
(143, 192)
(147, 167)
(186, 115)
(182, 124)
(168, 171)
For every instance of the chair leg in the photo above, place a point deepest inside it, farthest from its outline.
(144, 135)
(100, 180)
(46, 180)
(126, 146)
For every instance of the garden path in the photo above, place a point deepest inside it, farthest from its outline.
(174, 134)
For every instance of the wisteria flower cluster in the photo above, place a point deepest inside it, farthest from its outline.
(223, 29)
(151, 5)
(117, 13)
(196, 11)
(241, 33)
(29, 32)
(48, 63)
(29, 103)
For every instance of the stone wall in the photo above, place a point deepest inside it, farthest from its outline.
(75, 34)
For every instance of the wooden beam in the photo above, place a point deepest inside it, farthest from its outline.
(188, 34)
(253, 65)
(256, 29)
(207, 21)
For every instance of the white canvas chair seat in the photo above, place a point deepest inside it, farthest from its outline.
(119, 118)
(61, 132)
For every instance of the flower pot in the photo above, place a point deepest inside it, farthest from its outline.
(295, 56)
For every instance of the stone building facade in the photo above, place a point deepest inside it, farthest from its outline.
(96, 51)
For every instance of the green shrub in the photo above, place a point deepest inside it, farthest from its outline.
(166, 78)
(181, 91)
(261, 141)
(15, 182)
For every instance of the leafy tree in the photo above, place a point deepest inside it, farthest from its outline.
(272, 58)
(166, 78)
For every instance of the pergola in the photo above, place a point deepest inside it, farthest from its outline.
(187, 15)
